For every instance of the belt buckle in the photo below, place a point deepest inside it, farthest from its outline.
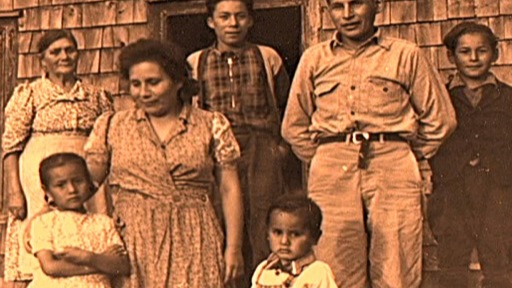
(355, 134)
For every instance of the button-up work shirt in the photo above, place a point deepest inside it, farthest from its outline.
(386, 85)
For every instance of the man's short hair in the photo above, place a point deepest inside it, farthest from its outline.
(212, 4)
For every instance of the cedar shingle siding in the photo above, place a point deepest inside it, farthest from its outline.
(103, 27)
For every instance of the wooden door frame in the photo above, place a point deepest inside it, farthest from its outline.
(158, 11)
(8, 73)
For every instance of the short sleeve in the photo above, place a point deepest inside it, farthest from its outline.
(324, 278)
(257, 273)
(97, 148)
(113, 237)
(226, 147)
(106, 101)
(42, 227)
(19, 115)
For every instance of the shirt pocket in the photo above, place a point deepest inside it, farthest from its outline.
(327, 98)
(385, 96)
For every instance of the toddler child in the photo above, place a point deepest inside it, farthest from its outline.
(75, 248)
(293, 228)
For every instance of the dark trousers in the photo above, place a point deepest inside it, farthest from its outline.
(472, 211)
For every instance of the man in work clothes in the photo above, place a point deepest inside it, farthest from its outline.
(364, 110)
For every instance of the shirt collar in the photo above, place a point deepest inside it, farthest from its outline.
(457, 81)
(295, 268)
(184, 116)
(217, 52)
(77, 92)
(377, 38)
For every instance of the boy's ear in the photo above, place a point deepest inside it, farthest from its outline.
(251, 21)
(210, 23)
(450, 56)
(496, 55)
(318, 237)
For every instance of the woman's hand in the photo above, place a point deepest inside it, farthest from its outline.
(234, 263)
(17, 204)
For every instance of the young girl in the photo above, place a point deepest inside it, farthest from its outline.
(74, 248)
(293, 229)
(472, 183)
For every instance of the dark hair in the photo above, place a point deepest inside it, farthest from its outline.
(301, 206)
(58, 160)
(452, 37)
(168, 55)
(212, 4)
(51, 36)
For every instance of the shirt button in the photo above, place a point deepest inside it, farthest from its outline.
(162, 146)
(476, 136)
(352, 87)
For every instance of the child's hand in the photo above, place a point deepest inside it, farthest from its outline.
(116, 250)
(74, 255)
(234, 264)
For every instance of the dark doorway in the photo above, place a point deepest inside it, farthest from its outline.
(280, 28)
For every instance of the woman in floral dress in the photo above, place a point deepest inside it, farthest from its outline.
(164, 160)
(52, 114)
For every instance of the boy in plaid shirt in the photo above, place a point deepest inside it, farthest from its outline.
(249, 85)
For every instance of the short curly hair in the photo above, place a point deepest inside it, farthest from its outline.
(212, 4)
(168, 55)
(451, 38)
(301, 206)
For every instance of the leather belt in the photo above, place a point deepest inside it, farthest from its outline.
(357, 137)
(363, 138)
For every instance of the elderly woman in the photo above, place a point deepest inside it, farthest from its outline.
(165, 159)
(52, 114)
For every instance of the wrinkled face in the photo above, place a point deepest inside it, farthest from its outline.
(60, 58)
(153, 90)
(68, 186)
(354, 19)
(288, 236)
(473, 55)
(231, 22)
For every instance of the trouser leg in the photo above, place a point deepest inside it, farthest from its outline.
(491, 206)
(334, 185)
(454, 233)
(392, 196)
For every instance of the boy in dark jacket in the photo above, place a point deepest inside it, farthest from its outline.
(472, 195)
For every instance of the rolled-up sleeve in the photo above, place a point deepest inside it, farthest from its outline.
(300, 107)
(19, 116)
(431, 101)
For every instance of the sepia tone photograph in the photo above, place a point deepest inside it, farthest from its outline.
(256, 143)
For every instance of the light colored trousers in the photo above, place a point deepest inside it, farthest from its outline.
(372, 228)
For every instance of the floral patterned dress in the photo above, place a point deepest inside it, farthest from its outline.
(162, 192)
(56, 230)
(42, 119)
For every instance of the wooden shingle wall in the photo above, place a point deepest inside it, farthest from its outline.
(101, 28)
(426, 21)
